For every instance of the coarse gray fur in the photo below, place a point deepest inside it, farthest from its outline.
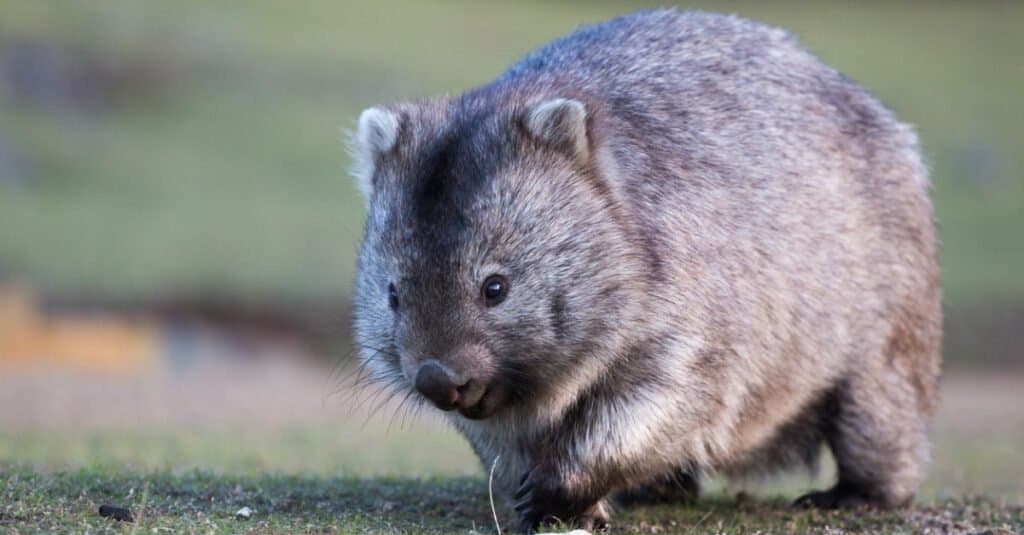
(719, 254)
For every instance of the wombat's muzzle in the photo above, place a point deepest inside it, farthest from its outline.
(446, 390)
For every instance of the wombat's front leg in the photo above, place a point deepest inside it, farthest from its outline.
(546, 495)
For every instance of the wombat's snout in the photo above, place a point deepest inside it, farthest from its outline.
(436, 383)
(445, 389)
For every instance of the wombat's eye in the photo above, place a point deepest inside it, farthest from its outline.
(494, 290)
(392, 297)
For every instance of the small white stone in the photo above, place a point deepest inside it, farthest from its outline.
(244, 513)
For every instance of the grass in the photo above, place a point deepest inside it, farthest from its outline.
(226, 177)
(197, 501)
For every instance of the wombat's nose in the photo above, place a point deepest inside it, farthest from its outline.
(437, 384)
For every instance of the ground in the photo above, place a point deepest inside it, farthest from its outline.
(185, 449)
(204, 502)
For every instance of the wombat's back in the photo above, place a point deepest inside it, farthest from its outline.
(757, 170)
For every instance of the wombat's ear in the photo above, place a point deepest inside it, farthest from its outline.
(560, 123)
(375, 136)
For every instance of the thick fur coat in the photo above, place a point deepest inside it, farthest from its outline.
(716, 253)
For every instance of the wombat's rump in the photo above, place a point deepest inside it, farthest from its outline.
(663, 245)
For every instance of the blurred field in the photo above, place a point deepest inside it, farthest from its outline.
(184, 148)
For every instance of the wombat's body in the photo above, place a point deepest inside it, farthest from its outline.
(701, 249)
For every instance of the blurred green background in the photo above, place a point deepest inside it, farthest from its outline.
(190, 150)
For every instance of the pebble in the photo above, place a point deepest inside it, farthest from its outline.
(117, 513)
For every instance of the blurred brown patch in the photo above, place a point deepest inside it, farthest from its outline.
(108, 344)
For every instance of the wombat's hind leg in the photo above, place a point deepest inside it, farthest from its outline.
(877, 434)
(679, 486)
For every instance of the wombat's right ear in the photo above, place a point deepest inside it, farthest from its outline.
(376, 136)
(560, 123)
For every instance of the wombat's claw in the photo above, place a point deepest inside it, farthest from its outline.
(833, 498)
(823, 499)
(541, 499)
(594, 519)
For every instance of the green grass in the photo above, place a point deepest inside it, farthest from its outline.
(198, 501)
(203, 502)
(228, 179)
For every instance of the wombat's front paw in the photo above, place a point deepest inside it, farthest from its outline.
(542, 498)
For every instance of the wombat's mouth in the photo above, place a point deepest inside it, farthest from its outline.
(475, 398)
(493, 398)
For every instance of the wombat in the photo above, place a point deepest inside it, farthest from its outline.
(667, 245)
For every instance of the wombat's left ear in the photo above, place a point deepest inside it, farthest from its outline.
(560, 123)
(375, 137)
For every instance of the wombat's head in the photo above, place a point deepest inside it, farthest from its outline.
(496, 269)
